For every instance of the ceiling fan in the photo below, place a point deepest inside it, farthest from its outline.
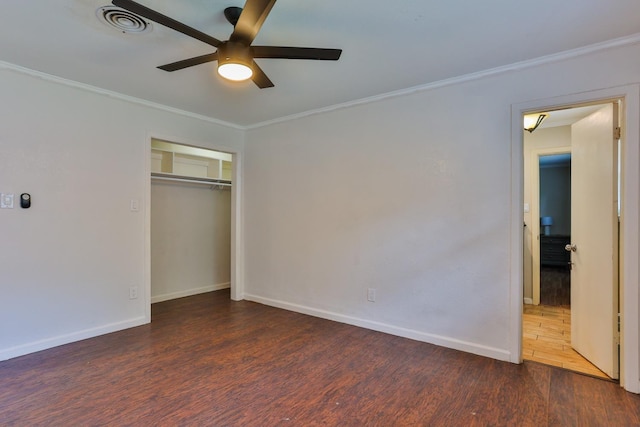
(236, 56)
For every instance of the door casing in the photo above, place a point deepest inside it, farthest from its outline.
(629, 221)
(237, 241)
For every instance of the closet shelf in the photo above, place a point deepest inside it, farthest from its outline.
(181, 163)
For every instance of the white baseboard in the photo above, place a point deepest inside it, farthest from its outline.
(189, 292)
(21, 350)
(528, 301)
(469, 347)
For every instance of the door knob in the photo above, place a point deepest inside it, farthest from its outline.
(570, 248)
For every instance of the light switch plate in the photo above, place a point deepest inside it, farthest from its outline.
(6, 201)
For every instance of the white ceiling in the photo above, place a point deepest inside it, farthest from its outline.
(568, 116)
(387, 46)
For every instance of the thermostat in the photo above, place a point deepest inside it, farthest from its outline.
(25, 200)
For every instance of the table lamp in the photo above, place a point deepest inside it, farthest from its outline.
(547, 222)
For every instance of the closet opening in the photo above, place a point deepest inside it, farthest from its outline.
(190, 220)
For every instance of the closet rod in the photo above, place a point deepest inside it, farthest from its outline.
(205, 181)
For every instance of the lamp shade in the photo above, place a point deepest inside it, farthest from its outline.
(546, 220)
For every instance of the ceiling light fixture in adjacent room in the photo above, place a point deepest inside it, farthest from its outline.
(532, 121)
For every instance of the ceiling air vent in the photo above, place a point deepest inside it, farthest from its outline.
(122, 20)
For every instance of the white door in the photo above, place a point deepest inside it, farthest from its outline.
(594, 234)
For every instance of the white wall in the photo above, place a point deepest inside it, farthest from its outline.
(66, 264)
(190, 239)
(409, 195)
(555, 198)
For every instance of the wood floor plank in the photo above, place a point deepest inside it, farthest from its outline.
(530, 388)
(592, 401)
(209, 361)
(550, 341)
(562, 400)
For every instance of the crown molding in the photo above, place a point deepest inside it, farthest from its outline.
(131, 99)
(517, 66)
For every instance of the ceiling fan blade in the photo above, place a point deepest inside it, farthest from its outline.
(161, 19)
(296, 52)
(259, 77)
(185, 63)
(251, 19)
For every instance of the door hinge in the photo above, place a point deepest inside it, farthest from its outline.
(617, 133)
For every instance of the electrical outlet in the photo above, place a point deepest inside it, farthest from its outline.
(133, 292)
(371, 295)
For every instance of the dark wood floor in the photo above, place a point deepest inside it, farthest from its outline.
(555, 286)
(208, 361)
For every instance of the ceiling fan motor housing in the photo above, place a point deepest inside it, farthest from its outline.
(235, 53)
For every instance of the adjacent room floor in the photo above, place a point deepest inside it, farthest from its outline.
(547, 339)
(555, 286)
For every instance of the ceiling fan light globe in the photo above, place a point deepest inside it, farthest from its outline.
(235, 72)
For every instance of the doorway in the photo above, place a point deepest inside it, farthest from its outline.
(562, 304)
(629, 244)
(191, 219)
(554, 208)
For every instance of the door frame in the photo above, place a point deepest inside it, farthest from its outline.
(629, 221)
(535, 213)
(237, 247)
